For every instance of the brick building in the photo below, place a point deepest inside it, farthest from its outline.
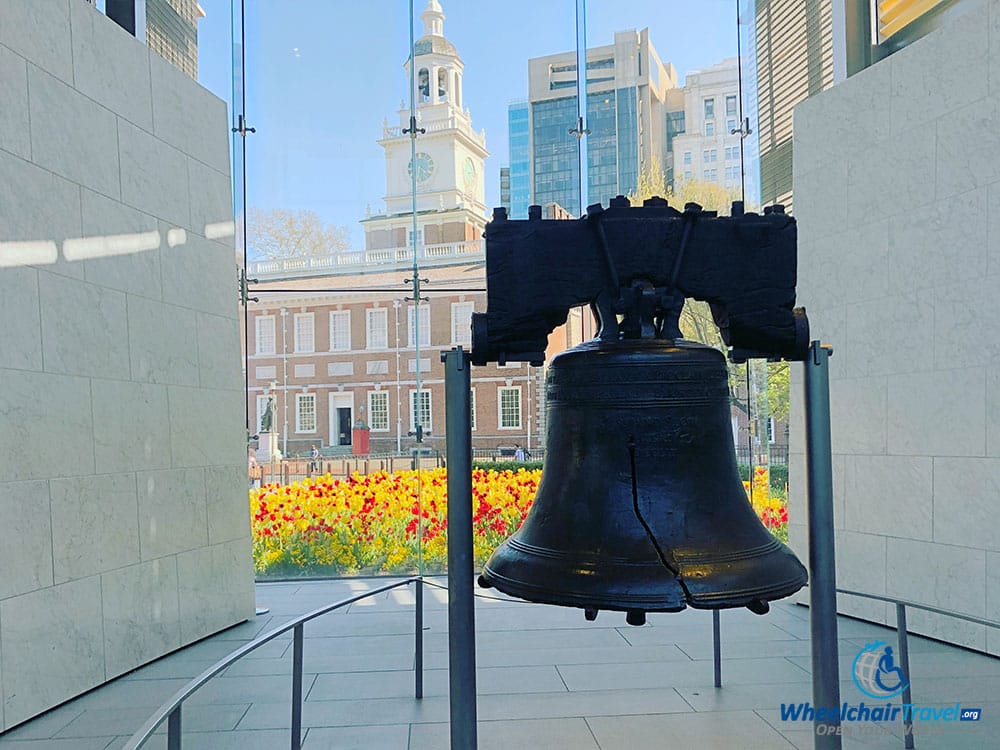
(343, 345)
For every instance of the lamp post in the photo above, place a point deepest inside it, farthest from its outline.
(284, 380)
(399, 410)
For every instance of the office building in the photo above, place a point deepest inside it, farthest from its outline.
(627, 85)
(794, 60)
(703, 143)
(519, 171)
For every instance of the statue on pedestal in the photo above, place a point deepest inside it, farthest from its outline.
(268, 417)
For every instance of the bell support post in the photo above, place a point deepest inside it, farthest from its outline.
(822, 568)
(461, 601)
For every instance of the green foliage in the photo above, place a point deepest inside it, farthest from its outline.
(777, 474)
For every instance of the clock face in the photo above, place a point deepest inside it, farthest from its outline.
(469, 173)
(422, 165)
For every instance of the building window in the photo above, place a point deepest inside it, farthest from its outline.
(709, 109)
(377, 325)
(509, 401)
(731, 106)
(442, 83)
(424, 326)
(340, 331)
(461, 322)
(472, 407)
(713, 155)
(265, 334)
(378, 411)
(709, 127)
(704, 155)
(731, 127)
(305, 412)
(305, 338)
(770, 429)
(713, 174)
(424, 85)
(687, 157)
(687, 175)
(419, 235)
(425, 411)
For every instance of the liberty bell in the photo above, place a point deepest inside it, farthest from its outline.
(641, 507)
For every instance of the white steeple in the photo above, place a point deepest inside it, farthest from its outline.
(433, 19)
(448, 166)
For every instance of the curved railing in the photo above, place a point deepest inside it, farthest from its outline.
(170, 711)
(901, 641)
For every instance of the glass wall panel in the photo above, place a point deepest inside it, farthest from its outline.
(368, 161)
(369, 180)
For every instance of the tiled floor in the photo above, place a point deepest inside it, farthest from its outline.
(547, 680)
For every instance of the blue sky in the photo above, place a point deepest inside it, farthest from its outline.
(322, 75)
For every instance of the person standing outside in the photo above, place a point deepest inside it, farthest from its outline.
(314, 460)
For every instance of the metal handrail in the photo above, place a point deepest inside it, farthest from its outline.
(171, 710)
(903, 644)
(901, 640)
(926, 607)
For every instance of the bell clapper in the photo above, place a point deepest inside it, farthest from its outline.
(590, 614)
(759, 606)
(635, 617)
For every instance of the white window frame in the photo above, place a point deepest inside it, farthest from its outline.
(340, 330)
(709, 128)
(382, 396)
(520, 410)
(300, 342)
(424, 325)
(371, 314)
(461, 323)
(731, 98)
(301, 398)
(261, 319)
(770, 430)
(427, 426)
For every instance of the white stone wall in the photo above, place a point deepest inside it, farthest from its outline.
(897, 195)
(124, 529)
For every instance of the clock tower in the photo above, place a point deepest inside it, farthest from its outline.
(449, 154)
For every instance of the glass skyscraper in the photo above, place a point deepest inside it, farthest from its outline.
(520, 160)
(625, 124)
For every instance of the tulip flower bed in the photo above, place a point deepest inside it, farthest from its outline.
(370, 524)
(771, 504)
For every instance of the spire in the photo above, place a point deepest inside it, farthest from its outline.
(433, 18)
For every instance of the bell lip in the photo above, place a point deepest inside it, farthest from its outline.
(723, 600)
(541, 595)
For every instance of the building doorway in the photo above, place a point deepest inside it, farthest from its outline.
(341, 418)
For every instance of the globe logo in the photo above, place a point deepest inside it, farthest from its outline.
(876, 673)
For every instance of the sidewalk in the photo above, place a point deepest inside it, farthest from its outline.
(547, 680)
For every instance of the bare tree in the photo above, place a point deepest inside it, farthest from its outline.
(279, 233)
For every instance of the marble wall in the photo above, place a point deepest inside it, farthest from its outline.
(124, 525)
(897, 196)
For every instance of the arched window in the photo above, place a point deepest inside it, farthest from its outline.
(442, 84)
(458, 89)
(423, 85)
